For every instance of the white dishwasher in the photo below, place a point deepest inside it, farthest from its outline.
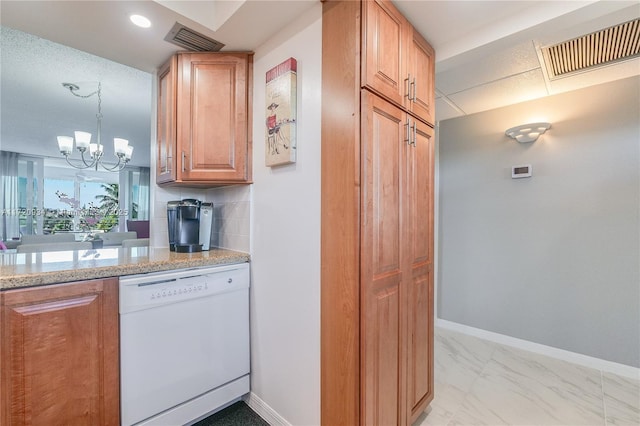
(184, 343)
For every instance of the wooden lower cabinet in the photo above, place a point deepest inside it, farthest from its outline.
(382, 281)
(396, 247)
(419, 267)
(59, 354)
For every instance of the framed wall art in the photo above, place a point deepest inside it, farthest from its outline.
(280, 132)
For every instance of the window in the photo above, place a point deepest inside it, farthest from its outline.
(29, 207)
(58, 215)
(44, 195)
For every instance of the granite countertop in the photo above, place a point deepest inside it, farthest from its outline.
(32, 269)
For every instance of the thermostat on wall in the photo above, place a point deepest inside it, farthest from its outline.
(521, 171)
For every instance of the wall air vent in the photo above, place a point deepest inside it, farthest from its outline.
(597, 49)
(191, 40)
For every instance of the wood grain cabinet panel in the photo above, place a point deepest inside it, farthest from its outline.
(421, 58)
(381, 259)
(419, 257)
(210, 142)
(60, 354)
(397, 62)
(377, 217)
(166, 129)
(384, 49)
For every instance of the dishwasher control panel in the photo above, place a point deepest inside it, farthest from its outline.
(179, 291)
(148, 290)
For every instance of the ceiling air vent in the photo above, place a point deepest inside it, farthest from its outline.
(597, 49)
(192, 40)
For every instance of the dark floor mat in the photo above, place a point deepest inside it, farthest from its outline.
(238, 414)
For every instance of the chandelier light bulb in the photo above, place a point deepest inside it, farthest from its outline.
(65, 143)
(128, 153)
(120, 145)
(83, 140)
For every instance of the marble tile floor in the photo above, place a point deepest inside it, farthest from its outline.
(478, 382)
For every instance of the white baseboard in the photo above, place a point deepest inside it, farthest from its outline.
(576, 358)
(270, 415)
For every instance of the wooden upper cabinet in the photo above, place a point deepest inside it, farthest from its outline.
(384, 48)
(421, 97)
(166, 132)
(211, 95)
(59, 355)
(397, 62)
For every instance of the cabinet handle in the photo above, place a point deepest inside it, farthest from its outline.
(414, 85)
(408, 127)
(407, 85)
(183, 157)
(415, 129)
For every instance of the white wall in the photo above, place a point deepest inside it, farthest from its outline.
(553, 259)
(285, 243)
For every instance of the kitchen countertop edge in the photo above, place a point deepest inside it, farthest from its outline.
(128, 263)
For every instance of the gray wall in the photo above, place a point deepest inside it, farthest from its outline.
(553, 259)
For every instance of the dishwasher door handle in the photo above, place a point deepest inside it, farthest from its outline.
(157, 282)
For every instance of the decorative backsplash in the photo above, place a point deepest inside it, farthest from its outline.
(231, 217)
(232, 213)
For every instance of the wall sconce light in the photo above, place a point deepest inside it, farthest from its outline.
(527, 132)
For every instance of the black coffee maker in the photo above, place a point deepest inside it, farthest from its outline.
(183, 218)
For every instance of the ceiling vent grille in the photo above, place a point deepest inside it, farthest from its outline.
(603, 47)
(191, 40)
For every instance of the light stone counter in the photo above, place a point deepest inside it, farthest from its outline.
(33, 269)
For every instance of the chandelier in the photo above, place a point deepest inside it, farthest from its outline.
(83, 140)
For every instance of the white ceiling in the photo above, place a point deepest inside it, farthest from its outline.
(486, 56)
(488, 52)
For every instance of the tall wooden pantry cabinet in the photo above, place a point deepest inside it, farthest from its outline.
(377, 216)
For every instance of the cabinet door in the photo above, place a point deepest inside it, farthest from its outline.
(421, 70)
(382, 324)
(166, 137)
(213, 117)
(60, 355)
(383, 51)
(418, 203)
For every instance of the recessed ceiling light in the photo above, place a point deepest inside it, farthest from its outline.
(140, 21)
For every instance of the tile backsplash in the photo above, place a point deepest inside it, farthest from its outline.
(231, 218)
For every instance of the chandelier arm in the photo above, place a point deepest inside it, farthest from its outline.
(83, 96)
(92, 163)
(119, 166)
(66, 157)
